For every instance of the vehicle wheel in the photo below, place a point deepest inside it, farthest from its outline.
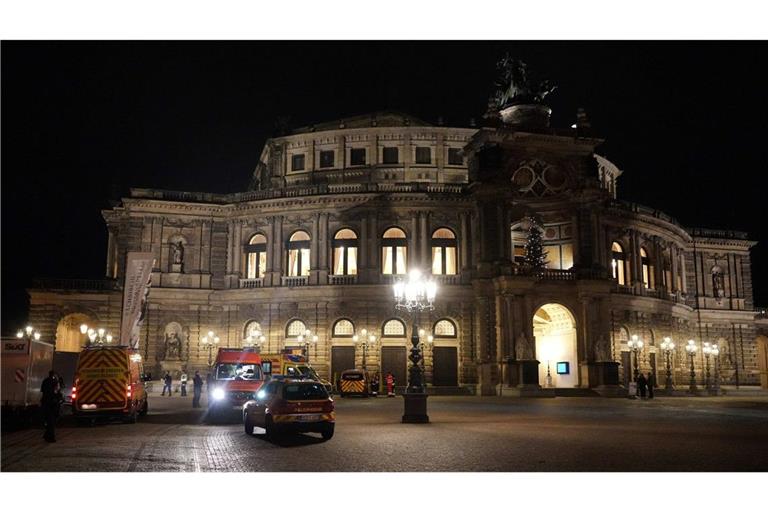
(144, 408)
(248, 425)
(269, 427)
(327, 432)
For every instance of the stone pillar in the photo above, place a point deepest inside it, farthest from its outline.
(314, 250)
(413, 257)
(323, 245)
(277, 250)
(362, 252)
(374, 253)
(238, 250)
(673, 257)
(426, 260)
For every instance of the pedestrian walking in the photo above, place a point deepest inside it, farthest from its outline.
(651, 384)
(167, 381)
(197, 389)
(375, 384)
(50, 405)
(183, 380)
(390, 381)
(642, 385)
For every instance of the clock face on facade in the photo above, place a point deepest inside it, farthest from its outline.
(538, 178)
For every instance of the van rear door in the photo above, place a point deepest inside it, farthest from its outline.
(103, 378)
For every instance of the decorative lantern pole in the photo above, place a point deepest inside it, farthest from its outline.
(636, 345)
(691, 349)
(415, 295)
(667, 346)
(209, 341)
(707, 349)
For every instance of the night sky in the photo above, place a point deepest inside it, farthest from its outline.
(83, 122)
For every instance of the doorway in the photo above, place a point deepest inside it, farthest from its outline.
(554, 329)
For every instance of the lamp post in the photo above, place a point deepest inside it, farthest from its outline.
(28, 332)
(415, 295)
(366, 341)
(425, 340)
(255, 340)
(667, 346)
(635, 345)
(209, 341)
(707, 349)
(691, 349)
(715, 351)
(93, 336)
(306, 340)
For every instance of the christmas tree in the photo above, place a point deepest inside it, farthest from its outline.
(535, 257)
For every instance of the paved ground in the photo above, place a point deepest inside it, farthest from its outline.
(466, 434)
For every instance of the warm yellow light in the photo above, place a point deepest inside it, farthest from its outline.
(28, 329)
(109, 338)
(210, 334)
(20, 334)
(83, 328)
(37, 335)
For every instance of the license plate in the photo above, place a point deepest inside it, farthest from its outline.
(308, 417)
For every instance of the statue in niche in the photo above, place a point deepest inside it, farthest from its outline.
(718, 286)
(523, 347)
(177, 253)
(601, 349)
(172, 345)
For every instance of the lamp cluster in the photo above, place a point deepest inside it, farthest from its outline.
(255, 338)
(415, 294)
(98, 335)
(29, 332)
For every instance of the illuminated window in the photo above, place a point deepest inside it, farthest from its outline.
(256, 257)
(343, 328)
(394, 251)
(297, 162)
(393, 328)
(647, 268)
(443, 252)
(298, 254)
(444, 329)
(618, 263)
(253, 329)
(423, 155)
(345, 253)
(295, 328)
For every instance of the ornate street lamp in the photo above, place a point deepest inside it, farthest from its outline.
(93, 336)
(209, 341)
(306, 340)
(366, 341)
(691, 349)
(707, 349)
(636, 345)
(255, 340)
(667, 346)
(415, 295)
(425, 340)
(28, 332)
(715, 352)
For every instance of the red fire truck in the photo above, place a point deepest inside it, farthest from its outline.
(235, 378)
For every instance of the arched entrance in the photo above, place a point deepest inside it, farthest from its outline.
(68, 335)
(554, 329)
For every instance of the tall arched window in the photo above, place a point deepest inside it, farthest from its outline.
(393, 251)
(253, 329)
(444, 329)
(393, 328)
(256, 256)
(294, 329)
(343, 328)
(619, 263)
(345, 253)
(647, 268)
(298, 254)
(443, 252)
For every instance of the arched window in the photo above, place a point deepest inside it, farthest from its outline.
(619, 263)
(343, 328)
(647, 268)
(443, 252)
(298, 254)
(253, 329)
(393, 251)
(256, 256)
(444, 329)
(393, 328)
(295, 328)
(345, 253)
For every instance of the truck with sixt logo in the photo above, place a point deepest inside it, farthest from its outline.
(236, 376)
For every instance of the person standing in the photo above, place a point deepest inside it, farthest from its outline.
(183, 380)
(651, 384)
(167, 381)
(390, 380)
(641, 385)
(197, 389)
(50, 402)
(375, 384)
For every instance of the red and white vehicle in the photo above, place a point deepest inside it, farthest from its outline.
(236, 377)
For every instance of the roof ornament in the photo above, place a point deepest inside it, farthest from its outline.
(519, 96)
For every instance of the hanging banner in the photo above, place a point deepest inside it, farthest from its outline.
(138, 277)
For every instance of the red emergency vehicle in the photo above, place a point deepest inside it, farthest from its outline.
(235, 378)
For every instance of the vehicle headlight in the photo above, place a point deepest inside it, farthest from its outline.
(261, 394)
(218, 394)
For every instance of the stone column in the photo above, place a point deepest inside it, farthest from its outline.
(314, 250)
(362, 252)
(413, 257)
(424, 242)
(277, 250)
(238, 250)
(673, 257)
(374, 252)
(323, 245)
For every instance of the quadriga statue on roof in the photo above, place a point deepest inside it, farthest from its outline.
(516, 85)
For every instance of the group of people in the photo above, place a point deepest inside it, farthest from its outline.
(197, 386)
(645, 385)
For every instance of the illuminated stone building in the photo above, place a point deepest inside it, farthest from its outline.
(337, 211)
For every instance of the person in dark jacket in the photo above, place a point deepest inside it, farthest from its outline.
(197, 389)
(642, 385)
(167, 381)
(651, 384)
(50, 402)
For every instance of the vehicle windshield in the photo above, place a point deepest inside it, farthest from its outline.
(238, 371)
(307, 372)
(304, 391)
